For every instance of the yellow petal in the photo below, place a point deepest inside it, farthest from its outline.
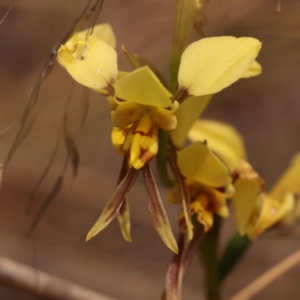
(254, 70)
(197, 162)
(244, 201)
(205, 216)
(142, 86)
(125, 114)
(186, 115)
(141, 143)
(166, 119)
(118, 136)
(212, 64)
(289, 182)
(220, 200)
(270, 213)
(103, 32)
(91, 63)
(222, 138)
(293, 215)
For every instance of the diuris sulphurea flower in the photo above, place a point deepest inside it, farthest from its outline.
(208, 183)
(254, 210)
(142, 105)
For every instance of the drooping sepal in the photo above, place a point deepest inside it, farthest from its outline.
(157, 211)
(113, 206)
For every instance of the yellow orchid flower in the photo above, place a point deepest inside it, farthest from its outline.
(254, 209)
(144, 106)
(91, 60)
(208, 184)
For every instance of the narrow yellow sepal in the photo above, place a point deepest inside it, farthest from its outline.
(212, 64)
(92, 63)
(186, 115)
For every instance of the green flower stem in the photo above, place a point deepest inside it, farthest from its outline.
(208, 249)
(162, 161)
(235, 249)
(183, 24)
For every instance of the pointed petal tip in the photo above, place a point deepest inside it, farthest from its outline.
(91, 234)
(174, 248)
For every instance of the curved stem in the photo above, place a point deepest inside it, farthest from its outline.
(208, 249)
(162, 159)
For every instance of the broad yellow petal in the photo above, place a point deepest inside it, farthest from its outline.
(254, 70)
(222, 138)
(212, 64)
(198, 163)
(289, 182)
(142, 86)
(103, 32)
(92, 63)
(186, 115)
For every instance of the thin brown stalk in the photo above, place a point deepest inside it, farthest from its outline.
(7, 12)
(30, 114)
(268, 277)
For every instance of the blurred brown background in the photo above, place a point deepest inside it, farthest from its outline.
(265, 109)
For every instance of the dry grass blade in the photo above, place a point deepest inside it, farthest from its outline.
(30, 108)
(7, 12)
(268, 277)
(157, 211)
(73, 152)
(8, 129)
(43, 176)
(1, 175)
(54, 192)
